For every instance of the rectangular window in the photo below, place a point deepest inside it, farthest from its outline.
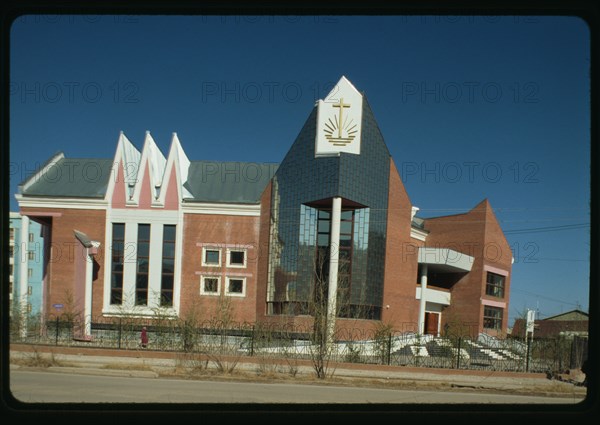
(31, 237)
(117, 259)
(495, 285)
(11, 252)
(29, 273)
(236, 258)
(12, 234)
(168, 266)
(211, 257)
(29, 290)
(210, 285)
(143, 257)
(492, 318)
(31, 255)
(236, 286)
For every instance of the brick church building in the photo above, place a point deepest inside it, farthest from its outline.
(143, 232)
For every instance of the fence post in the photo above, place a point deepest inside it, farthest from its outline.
(458, 353)
(119, 335)
(527, 355)
(389, 350)
(57, 323)
(252, 342)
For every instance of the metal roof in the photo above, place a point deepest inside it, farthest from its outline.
(71, 177)
(236, 182)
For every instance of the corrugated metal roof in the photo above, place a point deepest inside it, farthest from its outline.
(236, 182)
(72, 177)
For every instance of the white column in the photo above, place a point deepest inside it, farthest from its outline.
(334, 256)
(423, 299)
(89, 268)
(44, 255)
(23, 273)
(155, 266)
(129, 265)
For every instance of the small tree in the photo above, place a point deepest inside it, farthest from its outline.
(382, 336)
(323, 347)
(224, 355)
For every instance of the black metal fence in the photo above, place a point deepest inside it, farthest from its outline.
(293, 342)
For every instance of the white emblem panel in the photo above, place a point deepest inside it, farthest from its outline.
(339, 121)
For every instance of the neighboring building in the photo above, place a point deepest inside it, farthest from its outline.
(571, 323)
(152, 232)
(26, 273)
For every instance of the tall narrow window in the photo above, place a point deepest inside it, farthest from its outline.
(143, 257)
(344, 260)
(168, 266)
(116, 279)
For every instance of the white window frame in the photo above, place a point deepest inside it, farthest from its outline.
(238, 266)
(214, 294)
(209, 248)
(236, 294)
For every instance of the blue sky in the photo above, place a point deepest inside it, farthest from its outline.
(476, 107)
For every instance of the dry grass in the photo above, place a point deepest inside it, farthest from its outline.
(37, 359)
(128, 366)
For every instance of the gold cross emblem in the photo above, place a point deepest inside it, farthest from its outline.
(335, 129)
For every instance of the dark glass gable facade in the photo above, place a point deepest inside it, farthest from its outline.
(303, 188)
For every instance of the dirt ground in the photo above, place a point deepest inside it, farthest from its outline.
(180, 366)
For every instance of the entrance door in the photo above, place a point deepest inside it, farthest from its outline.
(431, 323)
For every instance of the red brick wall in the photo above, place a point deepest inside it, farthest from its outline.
(477, 234)
(222, 230)
(401, 259)
(61, 267)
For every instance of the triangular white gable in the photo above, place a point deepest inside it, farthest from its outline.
(178, 160)
(339, 121)
(152, 157)
(131, 162)
(128, 157)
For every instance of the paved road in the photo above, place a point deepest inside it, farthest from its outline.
(52, 387)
